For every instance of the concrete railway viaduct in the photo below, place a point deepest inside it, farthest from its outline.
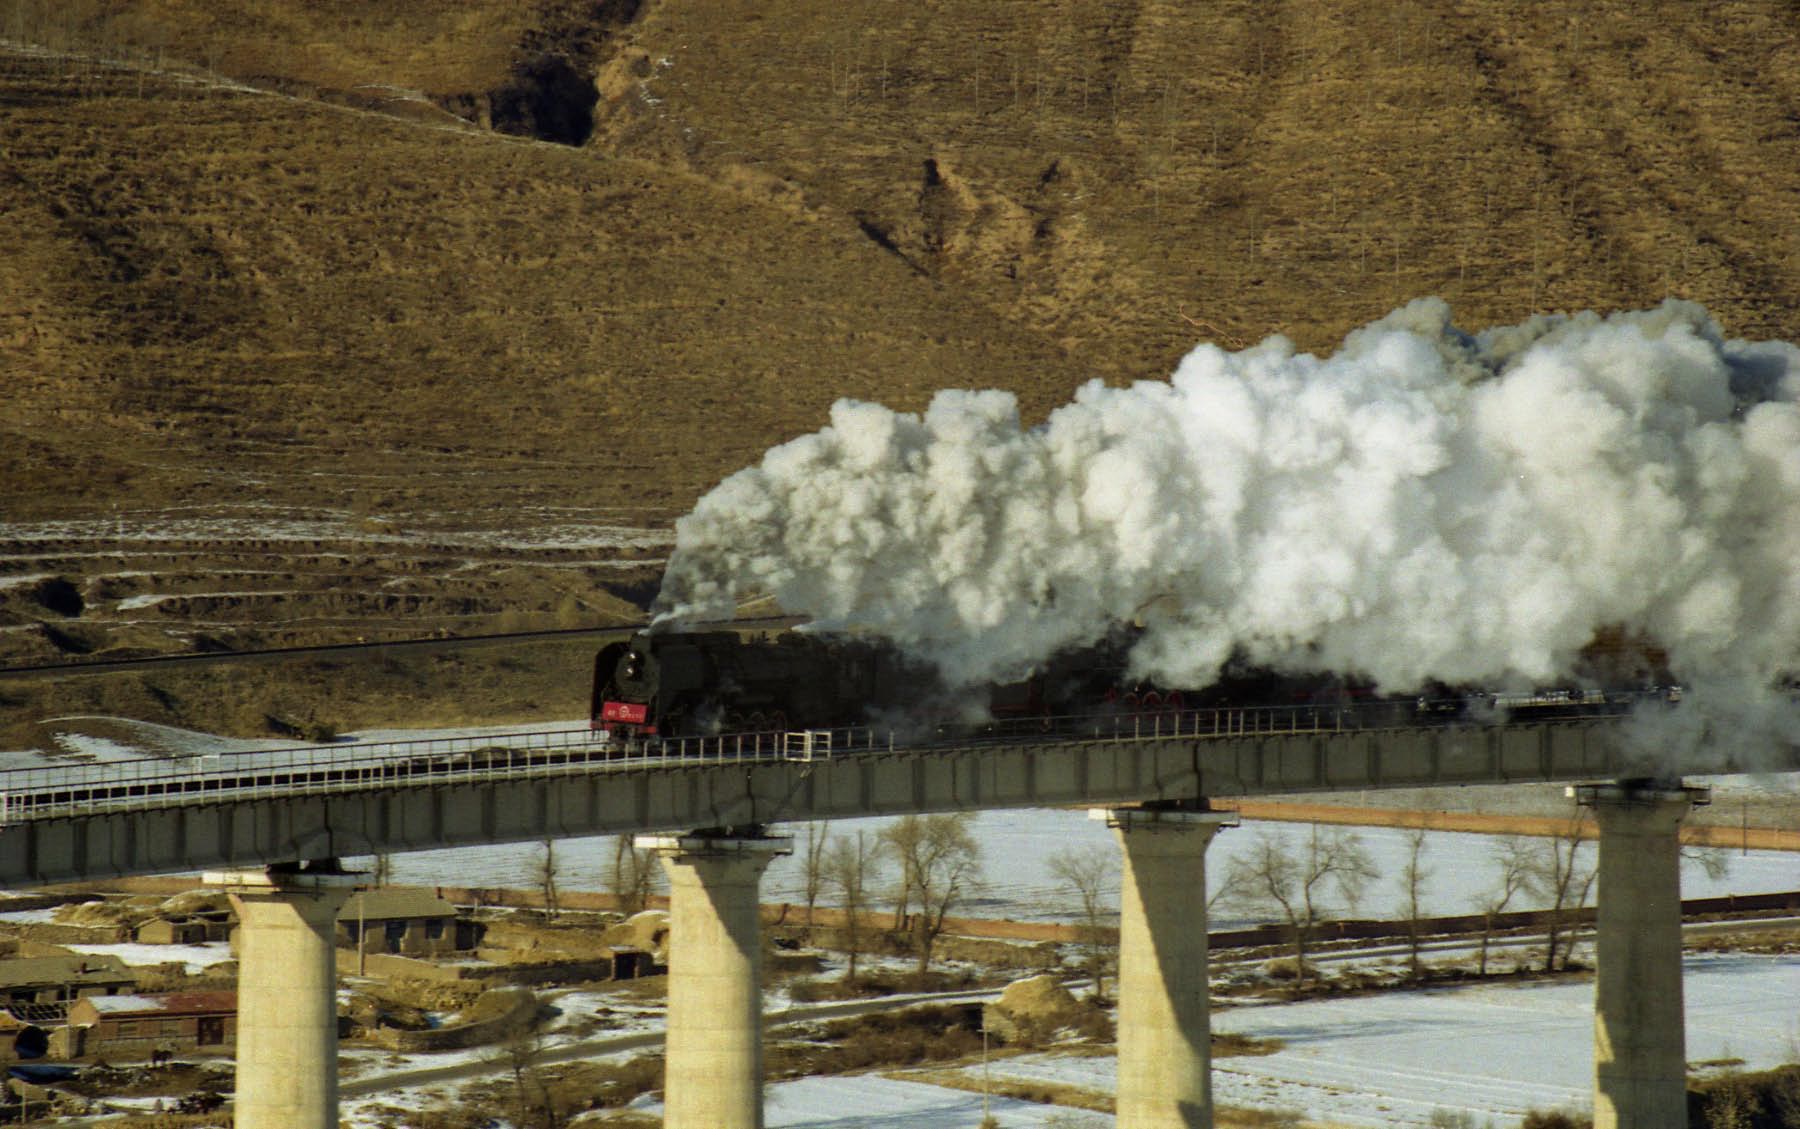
(270, 825)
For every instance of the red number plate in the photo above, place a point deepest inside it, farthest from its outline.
(630, 712)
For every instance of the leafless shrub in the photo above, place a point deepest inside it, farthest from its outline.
(1555, 1119)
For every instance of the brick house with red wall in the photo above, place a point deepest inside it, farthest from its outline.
(133, 1027)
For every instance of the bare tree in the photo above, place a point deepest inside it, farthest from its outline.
(1295, 884)
(1227, 888)
(812, 859)
(545, 873)
(1559, 873)
(631, 878)
(938, 858)
(534, 1104)
(1512, 863)
(1090, 872)
(850, 866)
(1413, 876)
(1714, 862)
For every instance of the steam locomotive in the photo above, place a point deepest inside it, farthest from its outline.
(680, 684)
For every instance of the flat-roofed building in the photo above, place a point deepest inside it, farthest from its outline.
(408, 921)
(32, 980)
(192, 929)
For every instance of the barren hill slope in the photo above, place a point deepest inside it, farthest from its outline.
(1096, 169)
(230, 277)
(452, 308)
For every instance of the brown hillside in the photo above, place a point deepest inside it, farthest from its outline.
(1093, 170)
(310, 266)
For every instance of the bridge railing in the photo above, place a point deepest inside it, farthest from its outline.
(56, 792)
(63, 791)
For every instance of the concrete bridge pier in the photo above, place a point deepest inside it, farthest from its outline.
(713, 1045)
(287, 995)
(1640, 1037)
(1164, 1016)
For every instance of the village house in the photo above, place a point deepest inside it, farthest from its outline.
(36, 992)
(171, 931)
(405, 921)
(31, 980)
(129, 1028)
(193, 918)
(186, 929)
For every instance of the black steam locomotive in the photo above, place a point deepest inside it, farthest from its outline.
(678, 684)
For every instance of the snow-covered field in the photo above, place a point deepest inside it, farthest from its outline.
(1493, 1051)
(1371, 1061)
(870, 1101)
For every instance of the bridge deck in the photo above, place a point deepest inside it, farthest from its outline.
(251, 809)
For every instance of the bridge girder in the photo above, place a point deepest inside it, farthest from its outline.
(626, 799)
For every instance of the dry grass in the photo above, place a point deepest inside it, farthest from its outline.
(542, 682)
(328, 293)
(302, 289)
(235, 269)
(1774, 941)
(1073, 1097)
(1043, 1093)
(931, 1033)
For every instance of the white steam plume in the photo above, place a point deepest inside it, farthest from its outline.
(1424, 503)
